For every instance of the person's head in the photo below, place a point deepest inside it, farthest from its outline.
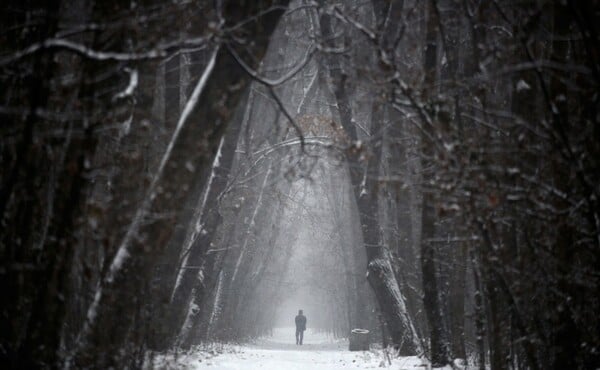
(299, 312)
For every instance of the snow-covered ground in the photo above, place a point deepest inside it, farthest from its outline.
(280, 352)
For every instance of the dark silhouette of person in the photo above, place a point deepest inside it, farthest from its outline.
(300, 327)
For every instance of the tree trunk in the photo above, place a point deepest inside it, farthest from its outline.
(439, 339)
(380, 274)
(204, 228)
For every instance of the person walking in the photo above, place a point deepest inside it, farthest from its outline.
(300, 327)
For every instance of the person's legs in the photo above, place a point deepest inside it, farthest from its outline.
(301, 336)
(298, 336)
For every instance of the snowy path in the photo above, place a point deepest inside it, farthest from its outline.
(281, 353)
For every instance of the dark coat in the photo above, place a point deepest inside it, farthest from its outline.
(301, 322)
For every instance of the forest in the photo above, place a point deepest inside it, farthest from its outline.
(179, 174)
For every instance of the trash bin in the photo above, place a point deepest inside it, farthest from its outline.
(359, 340)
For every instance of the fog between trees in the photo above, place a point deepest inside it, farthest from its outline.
(182, 173)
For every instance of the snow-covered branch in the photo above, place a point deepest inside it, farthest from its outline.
(133, 82)
(62, 44)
